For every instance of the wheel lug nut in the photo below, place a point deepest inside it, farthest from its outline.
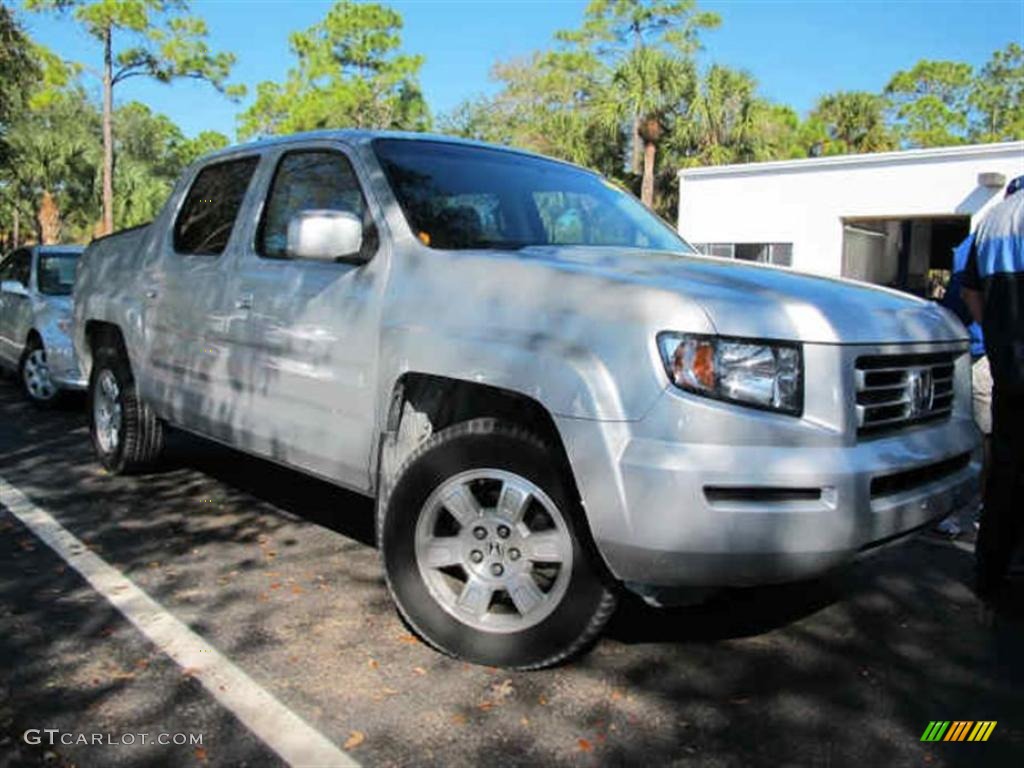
(513, 554)
(497, 569)
(480, 532)
(476, 556)
(503, 531)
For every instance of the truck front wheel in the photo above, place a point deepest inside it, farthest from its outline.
(126, 434)
(486, 552)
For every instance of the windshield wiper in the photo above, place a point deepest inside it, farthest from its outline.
(502, 245)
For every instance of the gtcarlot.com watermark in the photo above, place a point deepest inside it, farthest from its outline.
(54, 737)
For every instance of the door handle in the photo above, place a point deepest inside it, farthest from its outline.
(151, 293)
(244, 301)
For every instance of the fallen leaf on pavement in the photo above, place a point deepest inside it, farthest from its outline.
(503, 690)
(585, 746)
(353, 741)
(201, 754)
(419, 670)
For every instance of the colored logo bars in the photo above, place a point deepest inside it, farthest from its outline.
(958, 730)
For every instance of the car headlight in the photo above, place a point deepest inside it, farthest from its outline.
(761, 374)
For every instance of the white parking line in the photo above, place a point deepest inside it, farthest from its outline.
(292, 738)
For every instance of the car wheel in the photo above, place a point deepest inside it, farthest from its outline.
(35, 375)
(486, 551)
(125, 432)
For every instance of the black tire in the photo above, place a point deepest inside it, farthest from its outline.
(43, 403)
(141, 437)
(588, 601)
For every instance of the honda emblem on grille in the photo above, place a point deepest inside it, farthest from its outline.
(921, 391)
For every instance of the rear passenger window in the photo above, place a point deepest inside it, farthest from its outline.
(208, 214)
(311, 180)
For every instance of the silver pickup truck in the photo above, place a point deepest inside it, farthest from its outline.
(549, 393)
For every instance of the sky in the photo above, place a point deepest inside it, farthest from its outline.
(795, 50)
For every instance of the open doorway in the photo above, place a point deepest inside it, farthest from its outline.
(910, 254)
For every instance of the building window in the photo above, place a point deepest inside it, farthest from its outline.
(780, 254)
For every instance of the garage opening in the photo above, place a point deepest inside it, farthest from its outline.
(910, 254)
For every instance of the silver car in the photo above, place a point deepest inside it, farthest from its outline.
(35, 319)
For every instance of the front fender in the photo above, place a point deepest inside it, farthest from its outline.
(566, 380)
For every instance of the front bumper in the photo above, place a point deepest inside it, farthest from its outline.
(64, 369)
(705, 494)
(708, 516)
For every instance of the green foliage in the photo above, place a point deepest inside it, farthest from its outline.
(852, 121)
(349, 74)
(18, 69)
(610, 26)
(164, 42)
(997, 97)
(930, 103)
(56, 152)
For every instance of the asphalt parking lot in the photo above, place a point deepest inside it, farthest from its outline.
(279, 575)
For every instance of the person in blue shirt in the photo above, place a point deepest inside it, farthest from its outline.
(993, 289)
(981, 377)
(954, 302)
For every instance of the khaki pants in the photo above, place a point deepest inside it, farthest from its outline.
(981, 387)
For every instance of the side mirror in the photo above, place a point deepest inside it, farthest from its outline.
(14, 288)
(325, 235)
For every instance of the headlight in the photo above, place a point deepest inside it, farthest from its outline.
(761, 374)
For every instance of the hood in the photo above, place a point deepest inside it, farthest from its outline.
(756, 301)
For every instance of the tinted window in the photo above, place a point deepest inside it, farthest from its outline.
(310, 180)
(208, 213)
(18, 267)
(457, 196)
(55, 273)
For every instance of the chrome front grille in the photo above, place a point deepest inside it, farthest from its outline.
(894, 391)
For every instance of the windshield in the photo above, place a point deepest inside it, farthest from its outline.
(456, 196)
(56, 273)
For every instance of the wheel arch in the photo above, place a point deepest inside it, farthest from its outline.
(97, 332)
(437, 402)
(422, 404)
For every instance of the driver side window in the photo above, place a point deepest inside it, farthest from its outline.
(310, 180)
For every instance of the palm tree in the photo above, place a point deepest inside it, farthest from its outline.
(54, 143)
(653, 88)
(854, 121)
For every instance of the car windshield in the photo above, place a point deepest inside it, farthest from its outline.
(457, 196)
(56, 273)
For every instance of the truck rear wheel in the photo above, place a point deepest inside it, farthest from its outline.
(486, 552)
(125, 432)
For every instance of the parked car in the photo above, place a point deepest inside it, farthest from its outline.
(549, 392)
(35, 319)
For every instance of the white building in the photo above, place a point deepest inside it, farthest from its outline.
(891, 218)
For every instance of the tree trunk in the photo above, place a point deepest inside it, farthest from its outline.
(108, 134)
(636, 148)
(647, 186)
(636, 142)
(16, 233)
(48, 220)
